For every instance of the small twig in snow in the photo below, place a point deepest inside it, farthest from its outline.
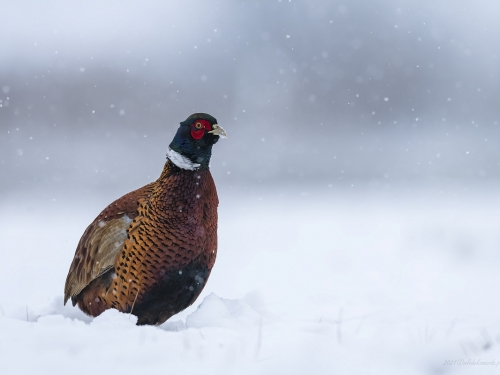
(339, 324)
(450, 329)
(133, 304)
(259, 339)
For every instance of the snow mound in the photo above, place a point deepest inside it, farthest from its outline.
(219, 312)
(114, 319)
(57, 307)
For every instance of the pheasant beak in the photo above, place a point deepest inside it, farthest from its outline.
(217, 130)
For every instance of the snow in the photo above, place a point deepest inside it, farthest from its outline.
(333, 280)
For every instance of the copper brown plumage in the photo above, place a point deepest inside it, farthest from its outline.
(151, 252)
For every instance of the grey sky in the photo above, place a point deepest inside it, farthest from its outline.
(307, 90)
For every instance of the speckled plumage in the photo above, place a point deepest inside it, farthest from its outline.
(150, 252)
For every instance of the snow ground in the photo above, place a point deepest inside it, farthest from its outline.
(310, 280)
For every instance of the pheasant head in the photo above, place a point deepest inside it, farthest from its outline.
(191, 147)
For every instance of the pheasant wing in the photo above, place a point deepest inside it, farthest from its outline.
(102, 240)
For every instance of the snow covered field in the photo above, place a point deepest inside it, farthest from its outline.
(387, 262)
(308, 280)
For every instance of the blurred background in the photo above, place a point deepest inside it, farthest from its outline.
(361, 93)
(359, 180)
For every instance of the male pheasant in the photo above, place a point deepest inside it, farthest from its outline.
(150, 252)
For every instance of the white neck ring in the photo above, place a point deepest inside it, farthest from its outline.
(181, 161)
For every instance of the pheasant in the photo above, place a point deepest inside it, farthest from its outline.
(150, 252)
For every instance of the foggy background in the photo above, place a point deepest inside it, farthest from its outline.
(363, 93)
(358, 186)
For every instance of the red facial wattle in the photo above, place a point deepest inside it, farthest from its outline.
(198, 129)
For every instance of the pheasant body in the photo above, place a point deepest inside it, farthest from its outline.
(150, 252)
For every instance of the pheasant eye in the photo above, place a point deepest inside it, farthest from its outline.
(198, 125)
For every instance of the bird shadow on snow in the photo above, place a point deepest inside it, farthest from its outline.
(213, 311)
